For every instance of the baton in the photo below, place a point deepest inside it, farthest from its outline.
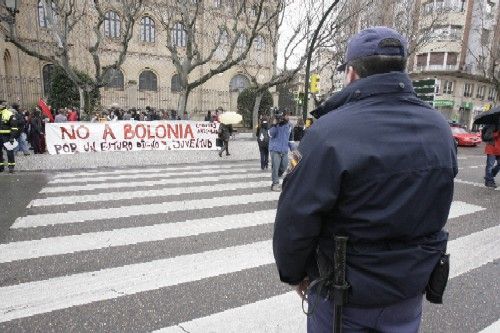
(340, 285)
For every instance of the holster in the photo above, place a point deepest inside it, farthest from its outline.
(437, 282)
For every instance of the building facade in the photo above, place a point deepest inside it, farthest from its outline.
(463, 56)
(148, 76)
(455, 42)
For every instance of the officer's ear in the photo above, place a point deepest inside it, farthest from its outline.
(350, 75)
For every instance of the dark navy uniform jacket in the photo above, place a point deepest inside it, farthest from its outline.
(378, 168)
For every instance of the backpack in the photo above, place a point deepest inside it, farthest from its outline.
(263, 137)
(487, 134)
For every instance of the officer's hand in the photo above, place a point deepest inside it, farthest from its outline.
(301, 288)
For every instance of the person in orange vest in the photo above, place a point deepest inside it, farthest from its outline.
(8, 132)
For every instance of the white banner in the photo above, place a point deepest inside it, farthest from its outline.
(83, 137)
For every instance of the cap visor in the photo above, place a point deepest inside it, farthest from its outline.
(341, 68)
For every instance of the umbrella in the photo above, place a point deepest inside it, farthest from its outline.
(230, 118)
(489, 117)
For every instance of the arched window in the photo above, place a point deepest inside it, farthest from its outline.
(179, 36)
(147, 29)
(47, 72)
(114, 79)
(42, 14)
(148, 81)
(112, 25)
(260, 43)
(241, 42)
(175, 83)
(239, 83)
(42, 20)
(222, 47)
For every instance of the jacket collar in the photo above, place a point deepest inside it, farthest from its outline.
(387, 83)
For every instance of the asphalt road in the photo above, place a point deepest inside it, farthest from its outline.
(186, 248)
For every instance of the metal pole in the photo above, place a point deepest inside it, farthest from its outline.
(309, 56)
(340, 284)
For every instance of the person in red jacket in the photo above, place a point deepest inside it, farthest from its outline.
(492, 151)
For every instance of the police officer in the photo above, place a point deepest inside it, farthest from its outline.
(377, 167)
(8, 131)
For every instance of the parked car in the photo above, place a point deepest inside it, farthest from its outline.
(464, 138)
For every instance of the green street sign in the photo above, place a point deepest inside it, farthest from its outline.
(444, 103)
(425, 89)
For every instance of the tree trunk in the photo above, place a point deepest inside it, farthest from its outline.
(255, 113)
(81, 91)
(182, 106)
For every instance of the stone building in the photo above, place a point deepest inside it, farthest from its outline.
(147, 77)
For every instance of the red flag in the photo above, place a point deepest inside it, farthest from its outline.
(45, 109)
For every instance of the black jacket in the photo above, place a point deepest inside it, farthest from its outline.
(378, 168)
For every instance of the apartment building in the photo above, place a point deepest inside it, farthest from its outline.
(462, 55)
(455, 42)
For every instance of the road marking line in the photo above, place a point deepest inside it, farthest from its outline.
(28, 299)
(460, 181)
(127, 236)
(459, 208)
(282, 313)
(79, 216)
(244, 173)
(493, 328)
(134, 171)
(119, 237)
(474, 250)
(31, 298)
(115, 196)
(158, 174)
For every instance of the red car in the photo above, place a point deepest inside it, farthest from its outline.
(464, 138)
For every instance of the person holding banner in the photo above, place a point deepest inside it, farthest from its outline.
(36, 132)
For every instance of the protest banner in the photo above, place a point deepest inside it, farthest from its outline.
(83, 137)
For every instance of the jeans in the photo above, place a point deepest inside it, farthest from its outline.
(279, 164)
(264, 157)
(225, 146)
(491, 170)
(23, 144)
(403, 317)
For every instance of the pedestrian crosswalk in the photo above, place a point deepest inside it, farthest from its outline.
(167, 249)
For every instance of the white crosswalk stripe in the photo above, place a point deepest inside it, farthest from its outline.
(80, 216)
(147, 175)
(241, 207)
(217, 176)
(65, 177)
(113, 196)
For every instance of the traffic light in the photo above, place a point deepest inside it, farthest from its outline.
(425, 89)
(314, 84)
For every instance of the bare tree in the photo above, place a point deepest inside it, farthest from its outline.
(76, 36)
(200, 51)
(402, 15)
(484, 49)
(289, 61)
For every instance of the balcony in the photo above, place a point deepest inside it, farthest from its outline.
(431, 68)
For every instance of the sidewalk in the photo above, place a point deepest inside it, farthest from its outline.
(241, 148)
